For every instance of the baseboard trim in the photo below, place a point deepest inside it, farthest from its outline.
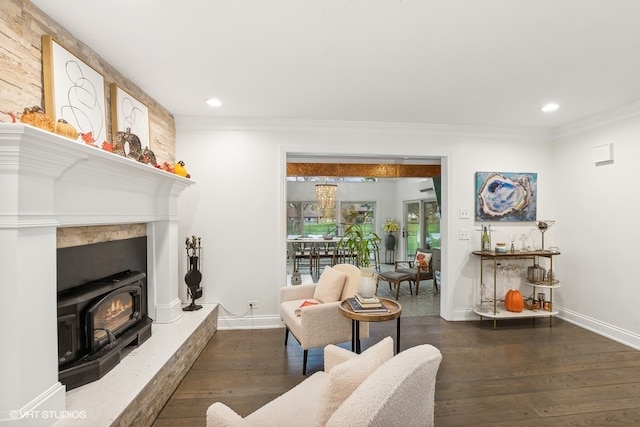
(601, 328)
(41, 411)
(249, 322)
(463, 315)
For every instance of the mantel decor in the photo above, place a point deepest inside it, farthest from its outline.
(129, 115)
(73, 91)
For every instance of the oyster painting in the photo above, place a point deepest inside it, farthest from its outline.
(506, 196)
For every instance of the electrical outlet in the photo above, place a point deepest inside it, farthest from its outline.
(465, 234)
(253, 305)
(465, 214)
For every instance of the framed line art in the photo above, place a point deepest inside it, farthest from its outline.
(73, 91)
(506, 196)
(129, 113)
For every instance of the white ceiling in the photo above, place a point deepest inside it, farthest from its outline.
(454, 62)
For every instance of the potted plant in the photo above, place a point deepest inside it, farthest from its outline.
(390, 226)
(359, 243)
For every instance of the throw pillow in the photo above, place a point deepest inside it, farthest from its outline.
(347, 376)
(422, 259)
(330, 285)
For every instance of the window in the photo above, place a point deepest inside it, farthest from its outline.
(304, 218)
(362, 213)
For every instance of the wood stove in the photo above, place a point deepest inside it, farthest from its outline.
(96, 323)
(99, 317)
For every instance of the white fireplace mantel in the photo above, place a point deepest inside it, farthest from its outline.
(48, 181)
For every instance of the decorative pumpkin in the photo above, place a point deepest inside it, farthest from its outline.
(120, 142)
(513, 301)
(65, 129)
(34, 116)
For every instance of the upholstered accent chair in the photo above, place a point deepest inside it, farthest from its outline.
(420, 268)
(436, 265)
(320, 324)
(374, 388)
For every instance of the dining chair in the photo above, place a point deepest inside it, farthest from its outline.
(303, 255)
(325, 251)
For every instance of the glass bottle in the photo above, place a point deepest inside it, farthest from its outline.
(486, 240)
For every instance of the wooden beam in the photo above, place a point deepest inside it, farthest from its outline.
(364, 170)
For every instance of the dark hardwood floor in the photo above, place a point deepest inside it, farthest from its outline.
(520, 374)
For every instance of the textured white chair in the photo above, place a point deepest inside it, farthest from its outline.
(320, 324)
(374, 388)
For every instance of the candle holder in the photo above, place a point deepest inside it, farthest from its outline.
(543, 226)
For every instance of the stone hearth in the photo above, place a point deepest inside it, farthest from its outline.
(47, 182)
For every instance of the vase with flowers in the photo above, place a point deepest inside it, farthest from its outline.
(390, 226)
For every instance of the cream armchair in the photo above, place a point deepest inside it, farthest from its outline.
(321, 324)
(374, 388)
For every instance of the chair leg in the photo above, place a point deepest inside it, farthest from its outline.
(305, 353)
(397, 290)
(286, 335)
(417, 284)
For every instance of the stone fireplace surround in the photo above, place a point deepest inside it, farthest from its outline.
(46, 182)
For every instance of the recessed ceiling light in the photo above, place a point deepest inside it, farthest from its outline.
(214, 102)
(550, 107)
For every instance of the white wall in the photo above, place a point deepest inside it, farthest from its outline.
(237, 205)
(240, 178)
(597, 229)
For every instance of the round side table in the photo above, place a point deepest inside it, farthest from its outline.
(395, 309)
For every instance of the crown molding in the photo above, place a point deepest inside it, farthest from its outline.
(597, 121)
(201, 123)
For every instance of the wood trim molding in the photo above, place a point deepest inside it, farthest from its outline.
(364, 170)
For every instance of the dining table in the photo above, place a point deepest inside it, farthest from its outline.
(315, 241)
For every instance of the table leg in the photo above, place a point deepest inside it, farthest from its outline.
(353, 335)
(398, 337)
(358, 336)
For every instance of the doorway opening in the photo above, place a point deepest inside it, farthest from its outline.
(370, 199)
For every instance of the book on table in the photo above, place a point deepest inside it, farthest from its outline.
(358, 308)
(306, 303)
(371, 302)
